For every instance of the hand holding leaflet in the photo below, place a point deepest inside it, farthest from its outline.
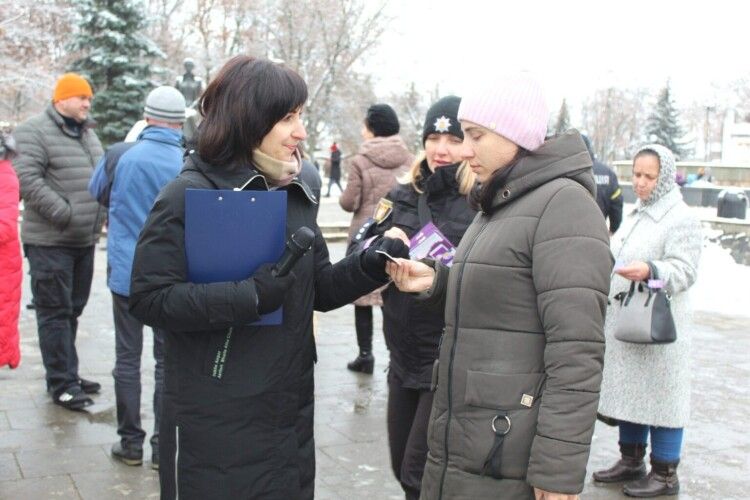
(375, 257)
(387, 256)
(429, 242)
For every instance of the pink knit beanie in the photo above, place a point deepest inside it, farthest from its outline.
(512, 106)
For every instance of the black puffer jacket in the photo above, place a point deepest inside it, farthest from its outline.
(412, 329)
(249, 433)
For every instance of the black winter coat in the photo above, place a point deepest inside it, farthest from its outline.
(335, 173)
(248, 434)
(412, 329)
(608, 194)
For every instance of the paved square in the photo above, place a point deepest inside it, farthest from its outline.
(48, 452)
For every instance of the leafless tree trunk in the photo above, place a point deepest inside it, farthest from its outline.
(614, 119)
(322, 40)
(411, 107)
(33, 35)
(169, 27)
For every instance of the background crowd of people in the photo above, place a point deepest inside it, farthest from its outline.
(498, 367)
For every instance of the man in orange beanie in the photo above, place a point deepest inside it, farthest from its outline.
(72, 97)
(61, 222)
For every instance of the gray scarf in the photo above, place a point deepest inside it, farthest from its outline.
(667, 173)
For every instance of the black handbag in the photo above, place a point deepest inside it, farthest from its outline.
(645, 314)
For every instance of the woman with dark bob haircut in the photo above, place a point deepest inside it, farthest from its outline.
(245, 431)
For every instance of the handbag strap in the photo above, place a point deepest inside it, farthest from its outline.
(652, 270)
(625, 240)
(626, 298)
(423, 210)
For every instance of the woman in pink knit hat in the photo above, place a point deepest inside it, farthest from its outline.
(517, 380)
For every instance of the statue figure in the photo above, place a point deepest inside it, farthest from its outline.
(190, 85)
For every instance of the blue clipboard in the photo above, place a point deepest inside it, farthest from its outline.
(229, 234)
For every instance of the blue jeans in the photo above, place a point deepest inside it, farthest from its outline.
(666, 442)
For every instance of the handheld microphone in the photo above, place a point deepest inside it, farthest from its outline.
(296, 246)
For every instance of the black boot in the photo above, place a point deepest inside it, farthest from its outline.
(89, 386)
(629, 467)
(662, 480)
(129, 455)
(364, 363)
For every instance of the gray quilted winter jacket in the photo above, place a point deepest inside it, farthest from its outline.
(54, 167)
(524, 314)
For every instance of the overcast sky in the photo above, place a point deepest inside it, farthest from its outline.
(573, 46)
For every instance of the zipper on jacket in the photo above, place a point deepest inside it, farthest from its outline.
(176, 458)
(450, 361)
(99, 208)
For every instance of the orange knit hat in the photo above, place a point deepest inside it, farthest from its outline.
(71, 85)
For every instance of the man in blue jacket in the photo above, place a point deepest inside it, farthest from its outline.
(127, 180)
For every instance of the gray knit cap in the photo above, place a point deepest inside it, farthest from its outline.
(166, 104)
(667, 172)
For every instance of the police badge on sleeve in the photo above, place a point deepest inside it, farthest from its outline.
(383, 210)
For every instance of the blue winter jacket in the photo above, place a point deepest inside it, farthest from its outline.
(127, 179)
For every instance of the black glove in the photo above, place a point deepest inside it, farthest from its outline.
(271, 290)
(374, 263)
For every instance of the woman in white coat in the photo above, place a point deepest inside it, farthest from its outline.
(646, 388)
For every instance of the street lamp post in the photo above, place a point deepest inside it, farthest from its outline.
(707, 134)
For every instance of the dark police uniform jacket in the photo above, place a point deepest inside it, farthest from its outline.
(412, 329)
(608, 194)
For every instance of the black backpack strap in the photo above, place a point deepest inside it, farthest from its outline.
(111, 158)
(423, 209)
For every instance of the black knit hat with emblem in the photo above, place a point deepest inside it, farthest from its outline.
(442, 118)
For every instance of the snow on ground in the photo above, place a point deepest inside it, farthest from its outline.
(723, 286)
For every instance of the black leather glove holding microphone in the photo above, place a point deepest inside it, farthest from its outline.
(272, 281)
(270, 288)
(373, 263)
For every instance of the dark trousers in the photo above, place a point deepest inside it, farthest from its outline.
(363, 325)
(127, 374)
(331, 182)
(60, 284)
(408, 417)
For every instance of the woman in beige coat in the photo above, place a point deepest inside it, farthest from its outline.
(382, 158)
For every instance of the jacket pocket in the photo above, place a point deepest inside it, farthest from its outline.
(503, 410)
(503, 391)
(61, 215)
(49, 289)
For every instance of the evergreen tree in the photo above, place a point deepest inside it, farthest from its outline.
(114, 56)
(563, 119)
(663, 127)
